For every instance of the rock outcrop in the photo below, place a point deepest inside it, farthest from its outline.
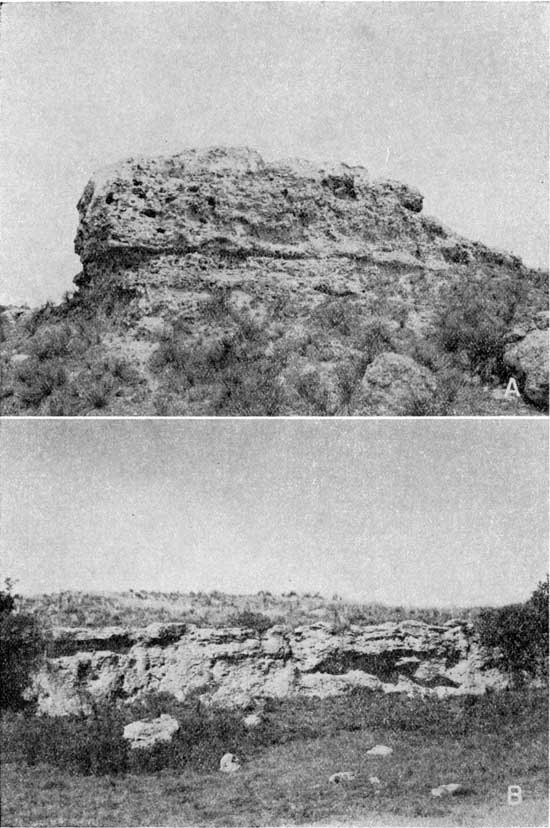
(281, 241)
(235, 667)
(235, 285)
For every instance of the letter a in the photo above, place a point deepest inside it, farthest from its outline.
(512, 389)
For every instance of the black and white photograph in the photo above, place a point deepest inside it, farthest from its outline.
(268, 622)
(274, 426)
(274, 209)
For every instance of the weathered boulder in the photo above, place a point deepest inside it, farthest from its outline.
(229, 763)
(451, 789)
(341, 776)
(148, 732)
(528, 359)
(394, 384)
(380, 750)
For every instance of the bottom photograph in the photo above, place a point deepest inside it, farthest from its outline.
(274, 622)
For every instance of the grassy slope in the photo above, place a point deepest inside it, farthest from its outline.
(140, 608)
(83, 362)
(287, 783)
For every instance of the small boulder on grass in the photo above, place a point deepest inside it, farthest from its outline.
(380, 750)
(341, 776)
(229, 763)
(448, 790)
(145, 733)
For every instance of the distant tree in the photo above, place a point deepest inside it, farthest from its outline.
(21, 647)
(517, 635)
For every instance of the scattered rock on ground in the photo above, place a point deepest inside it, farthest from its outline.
(448, 790)
(252, 720)
(229, 763)
(394, 384)
(342, 776)
(380, 750)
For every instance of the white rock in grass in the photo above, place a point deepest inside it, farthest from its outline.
(341, 776)
(252, 720)
(374, 780)
(229, 763)
(447, 790)
(147, 732)
(380, 750)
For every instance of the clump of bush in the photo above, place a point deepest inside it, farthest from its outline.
(253, 620)
(517, 636)
(21, 648)
(474, 319)
(38, 380)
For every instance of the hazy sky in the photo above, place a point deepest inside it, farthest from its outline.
(450, 97)
(399, 511)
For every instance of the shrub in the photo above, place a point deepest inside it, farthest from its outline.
(51, 341)
(254, 620)
(342, 315)
(21, 646)
(37, 380)
(517, 635)
(474, 319)
(373, 337)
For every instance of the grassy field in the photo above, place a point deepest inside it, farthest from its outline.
(139, 608)
(486, 744)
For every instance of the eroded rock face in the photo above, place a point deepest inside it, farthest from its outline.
(234, 667)
(185, 245)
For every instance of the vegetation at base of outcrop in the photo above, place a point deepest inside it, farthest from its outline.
(21, 647)
(517, 635)
(67, 368)
(286, 762)
(267, 360)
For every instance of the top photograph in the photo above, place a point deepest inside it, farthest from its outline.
(274, 209)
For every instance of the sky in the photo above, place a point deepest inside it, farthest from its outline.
(407, 512)
(449, 97)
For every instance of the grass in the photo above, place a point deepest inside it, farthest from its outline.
(274, 356)
(140, 608)
(483, 743)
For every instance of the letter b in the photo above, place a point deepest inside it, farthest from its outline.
(515, 796)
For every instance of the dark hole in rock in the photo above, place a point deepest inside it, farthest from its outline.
(194, 188)
(149, 212)
(382, 665)
(109, 198)
(116, 644)
(161, 230)
(211, 200)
